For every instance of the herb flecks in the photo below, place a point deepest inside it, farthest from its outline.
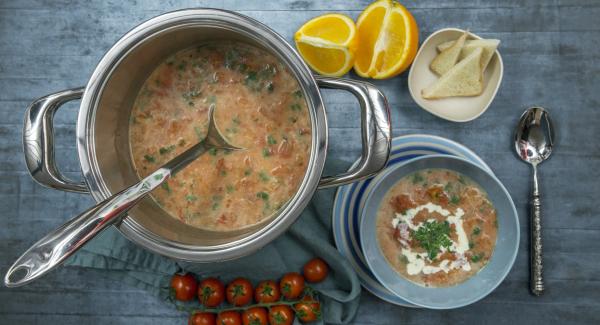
(448, 187)
(455, 199)
(166, 150)
(216, 199)
(150, 158)
(263, 176)
(432, 236)
(476, 258)
(260, 80)
(266, 152)
(263, 195)
(191, 95)
(165, 186)
(417, 178)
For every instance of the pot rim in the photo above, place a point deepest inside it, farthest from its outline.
(242, 24)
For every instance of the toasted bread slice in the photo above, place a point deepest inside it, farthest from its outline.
(489, 47)
(464, 79)
(444, 61)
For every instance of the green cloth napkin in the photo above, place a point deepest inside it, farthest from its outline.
(308, 237)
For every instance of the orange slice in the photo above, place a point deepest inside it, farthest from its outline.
(327, 43)
(388, 39)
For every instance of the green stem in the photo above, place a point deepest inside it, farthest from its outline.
(242, 308)
(191, 309)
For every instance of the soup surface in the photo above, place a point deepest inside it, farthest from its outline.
(436, 227)
(259, 106)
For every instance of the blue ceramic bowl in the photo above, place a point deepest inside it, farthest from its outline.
(474, 288)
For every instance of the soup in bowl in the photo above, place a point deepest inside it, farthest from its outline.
(436, 227)
(439, 231)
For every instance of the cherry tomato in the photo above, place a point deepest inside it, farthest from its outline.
(202, 319)
(266, 291)
(281, 315)
(291, 285)
(309, 310)
(230, 317)
(211, 292)
(239, 292)
(255, 316)
(184, 286)
(315, 270)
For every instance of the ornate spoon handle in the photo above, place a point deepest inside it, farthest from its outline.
(537, 282)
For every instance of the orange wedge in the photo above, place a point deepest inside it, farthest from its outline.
(388, 37)
(327, 43)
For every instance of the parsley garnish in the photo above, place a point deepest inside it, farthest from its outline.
(432, 236)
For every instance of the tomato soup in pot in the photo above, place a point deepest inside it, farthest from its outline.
(259, 106)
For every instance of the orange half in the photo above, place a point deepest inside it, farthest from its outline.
(327, 43)
(388, 37)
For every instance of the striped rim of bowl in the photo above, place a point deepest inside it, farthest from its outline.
(350, 199)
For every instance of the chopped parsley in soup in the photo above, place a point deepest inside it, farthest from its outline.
(259, 106)
(436, 227)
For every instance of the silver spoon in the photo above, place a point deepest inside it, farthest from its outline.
(58, 245)
(533, 143)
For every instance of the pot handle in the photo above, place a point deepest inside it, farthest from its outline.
(38, 141)
(375, 127)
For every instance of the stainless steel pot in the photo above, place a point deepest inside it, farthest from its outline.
(102, 132)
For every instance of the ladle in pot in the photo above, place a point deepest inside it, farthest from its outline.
(57, 246)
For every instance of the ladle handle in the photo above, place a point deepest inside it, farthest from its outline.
(537, 282)
(57, 246)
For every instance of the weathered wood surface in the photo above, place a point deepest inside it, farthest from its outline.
(551, 56)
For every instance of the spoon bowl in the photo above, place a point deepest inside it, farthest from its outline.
(534, 136)
(533, 144)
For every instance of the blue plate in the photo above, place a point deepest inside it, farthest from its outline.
(350, 200)
(476, 287)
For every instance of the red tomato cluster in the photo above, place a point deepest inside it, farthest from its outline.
(269, 307)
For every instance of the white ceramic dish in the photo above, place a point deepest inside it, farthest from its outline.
(456, 109)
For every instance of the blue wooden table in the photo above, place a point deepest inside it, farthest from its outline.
(552, 58)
